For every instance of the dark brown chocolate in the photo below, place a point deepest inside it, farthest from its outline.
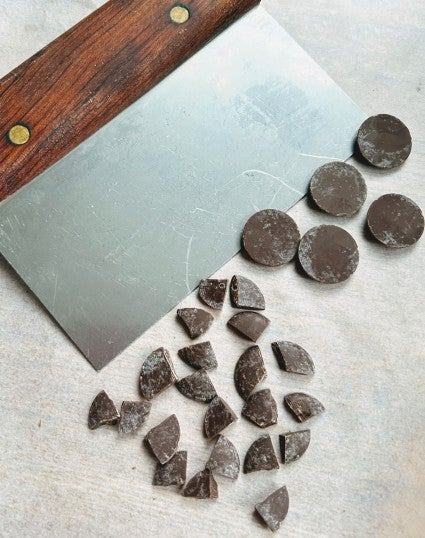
(260, 456)
(274, 508)
(249, 371)
(172, 473)
(270, 237)
(133, 416)
(293, 358)
(384, 141)
(164, 439)
(195, 320)
(328, 254)
(218, 416)
(212, 292)
(224, 459)
(395, 220)
(303, 406)
(197, 386)
(250, 325)
(157, 374)
(199, 356)
(338, 189)
(245, 294)
(293, 445)
(261, 409)
(202, 486)
(102, 411)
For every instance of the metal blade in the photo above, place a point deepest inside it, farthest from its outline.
(115, 234)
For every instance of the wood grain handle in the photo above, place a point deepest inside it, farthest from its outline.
(83, 79)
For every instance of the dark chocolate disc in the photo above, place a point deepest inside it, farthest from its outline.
(133, 415)
(338, 189)
(328, 254)
(172, 473)
(197, 386)
(195, 320)
(250, 325)
(249, 371)
(164, 439)
(102, 411)
(395, 220)
(245, 294)
(384, 141)
(303, 406)
(260, 456)
(212, 292)
(199, 356)
(270, 237)
(293, 358)
(293, 445)
(202, 486)
(224, 459)
(261, 409)
(157, 374)
(274, 508)
(218, 416)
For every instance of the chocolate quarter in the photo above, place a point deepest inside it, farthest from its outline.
(270, 237)
(274, 508)
(293, 358)
(133, 415)
(328, 254)
(157, 374)
(172, 473)
(250, 325)
(245, 294)
(293, 445)
(395, 220)
(202, 486)
(212, 292)
(199, 356)
(102, 411)
(261, 409)
(384, 141)
(224, 459)
(218, 416)
(338, 189)
(197, 386)
(164, 439)
(260, 456)
(303, 406)
(249, 371)
(195, 320)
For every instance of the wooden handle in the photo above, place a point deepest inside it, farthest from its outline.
(83, 79)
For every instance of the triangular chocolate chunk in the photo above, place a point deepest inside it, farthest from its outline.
(197, 386)
(157, 374)
(303, 406)
(133, 415)
(274, 508)
(250, 325)
(172, 473)
(245, 294)
(202, 486)
(260, 456)
(199, 356)
(218, 416)
(261, 408)
(102, 411)
(195, 320)
(293, 358)
(212, 292)
(249, 371)
(164, 439)
(224, 459)
(293, 445)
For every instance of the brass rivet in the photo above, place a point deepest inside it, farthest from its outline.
(19, 135)
(179, 14)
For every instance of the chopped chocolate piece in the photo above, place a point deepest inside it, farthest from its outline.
(164, 439)
(218, 416)
(270, 237)
(195, 320)
(212, 292)
(338, 189)
(395, 220)
(293, 358)
(197, 386)
(199, 356)
(328, 254)
(303, 406)
(249, 371)
(250, 325)
(245, 294)
(261, 409)
(224, 459)
(273, 510)
(260, 456)
(172, 473)
(384, 141)
(157, 373)
(102, 411)
(202, 486)
(133, 415)
(293, 445)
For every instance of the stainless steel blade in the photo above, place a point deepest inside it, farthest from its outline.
(120, 230)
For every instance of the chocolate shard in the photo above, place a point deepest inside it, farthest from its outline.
(212, 292)
(133, 415)
(172, 473)
(202, 486)
(218, 416)
(199, 356)
(224, 459)
(164, 439)
(197, 386)
(261, 409)
(195, 320)
(250, 325)
(293, 445)
(157, 374)
(293, 358)
(260, 456)
(303, 406)
(102, 411)
(249, 371)
(245, 294)
(274, 508)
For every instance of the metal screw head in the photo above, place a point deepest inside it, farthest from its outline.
(19, 134)
(179, 14)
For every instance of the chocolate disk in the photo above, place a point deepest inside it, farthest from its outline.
(245, 294)
(172, 473)
(133, 415)
(384, 141)
(293, 358)
(273, 510)
(197, 386)
(249, 371)
(164, 439)
(224, 459)
(261, 409)
(260, 456)
(102, 411)
(195, 320)
(202, 486)
(157, 374)
(218, 416)
(303, 406)
(199, 356)
(212, 292)
(395, 220)
(293, 445)
(328, 254)
(250, 325)
(338, 189)
(270, 237)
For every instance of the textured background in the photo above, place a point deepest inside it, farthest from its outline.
(363, 474)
